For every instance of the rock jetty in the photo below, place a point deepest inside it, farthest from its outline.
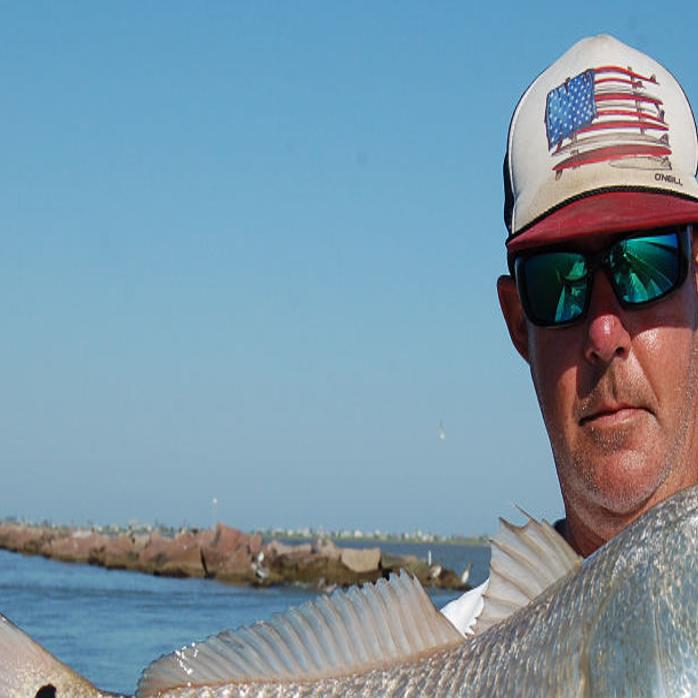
(223, 553)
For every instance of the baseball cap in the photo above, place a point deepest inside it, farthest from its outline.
(604, 140)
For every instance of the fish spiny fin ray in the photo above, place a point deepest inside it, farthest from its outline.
(526, 560)
(351, 631)
(26, 667)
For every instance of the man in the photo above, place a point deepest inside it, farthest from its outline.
(601, 205)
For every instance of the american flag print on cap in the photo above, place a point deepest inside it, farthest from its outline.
(607, 114)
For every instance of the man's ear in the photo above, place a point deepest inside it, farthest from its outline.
(513, 313)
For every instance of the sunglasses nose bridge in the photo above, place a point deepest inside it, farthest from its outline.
(603, 261)
(600, 260)
(603, 299)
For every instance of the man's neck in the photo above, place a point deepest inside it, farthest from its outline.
(585, 539)
(583, 542)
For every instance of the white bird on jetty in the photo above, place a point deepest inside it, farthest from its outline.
(465, 576)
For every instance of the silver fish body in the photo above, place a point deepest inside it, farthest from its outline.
(626, 624)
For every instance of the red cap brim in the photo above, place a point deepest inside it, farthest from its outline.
(607, 212)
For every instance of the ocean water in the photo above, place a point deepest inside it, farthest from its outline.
(109, 625)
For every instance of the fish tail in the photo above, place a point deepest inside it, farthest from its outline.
(30, 671)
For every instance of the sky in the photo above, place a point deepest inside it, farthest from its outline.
(249, 251)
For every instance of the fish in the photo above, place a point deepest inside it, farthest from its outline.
(622, 622)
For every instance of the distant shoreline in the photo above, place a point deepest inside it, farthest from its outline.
(299, 534)
(398, 538)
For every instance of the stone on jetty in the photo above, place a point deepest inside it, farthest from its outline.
(320, 563)
(227, 554)
(172, 557)
(30, 540)
(361, 560)
(276, 549)
(122, 552)
(326, 548)
(80, 546)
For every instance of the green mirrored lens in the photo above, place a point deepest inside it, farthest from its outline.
(556, 286)
(645, 268)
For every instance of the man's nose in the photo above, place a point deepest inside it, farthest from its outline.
(606, 335)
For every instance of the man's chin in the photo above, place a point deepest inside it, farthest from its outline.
(626, 490)
(620, 481)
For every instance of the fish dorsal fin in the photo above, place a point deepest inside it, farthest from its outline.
(350, 631)
(526, 560)
(26, 667)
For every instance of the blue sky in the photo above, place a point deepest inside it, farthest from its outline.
(249, 251)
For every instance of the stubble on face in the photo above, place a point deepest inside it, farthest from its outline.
(620, 470)
(609, 463)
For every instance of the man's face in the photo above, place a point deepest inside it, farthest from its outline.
(619, 396)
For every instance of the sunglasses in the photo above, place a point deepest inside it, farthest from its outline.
(555, 285)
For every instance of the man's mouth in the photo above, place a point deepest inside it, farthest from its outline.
(611, 415)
